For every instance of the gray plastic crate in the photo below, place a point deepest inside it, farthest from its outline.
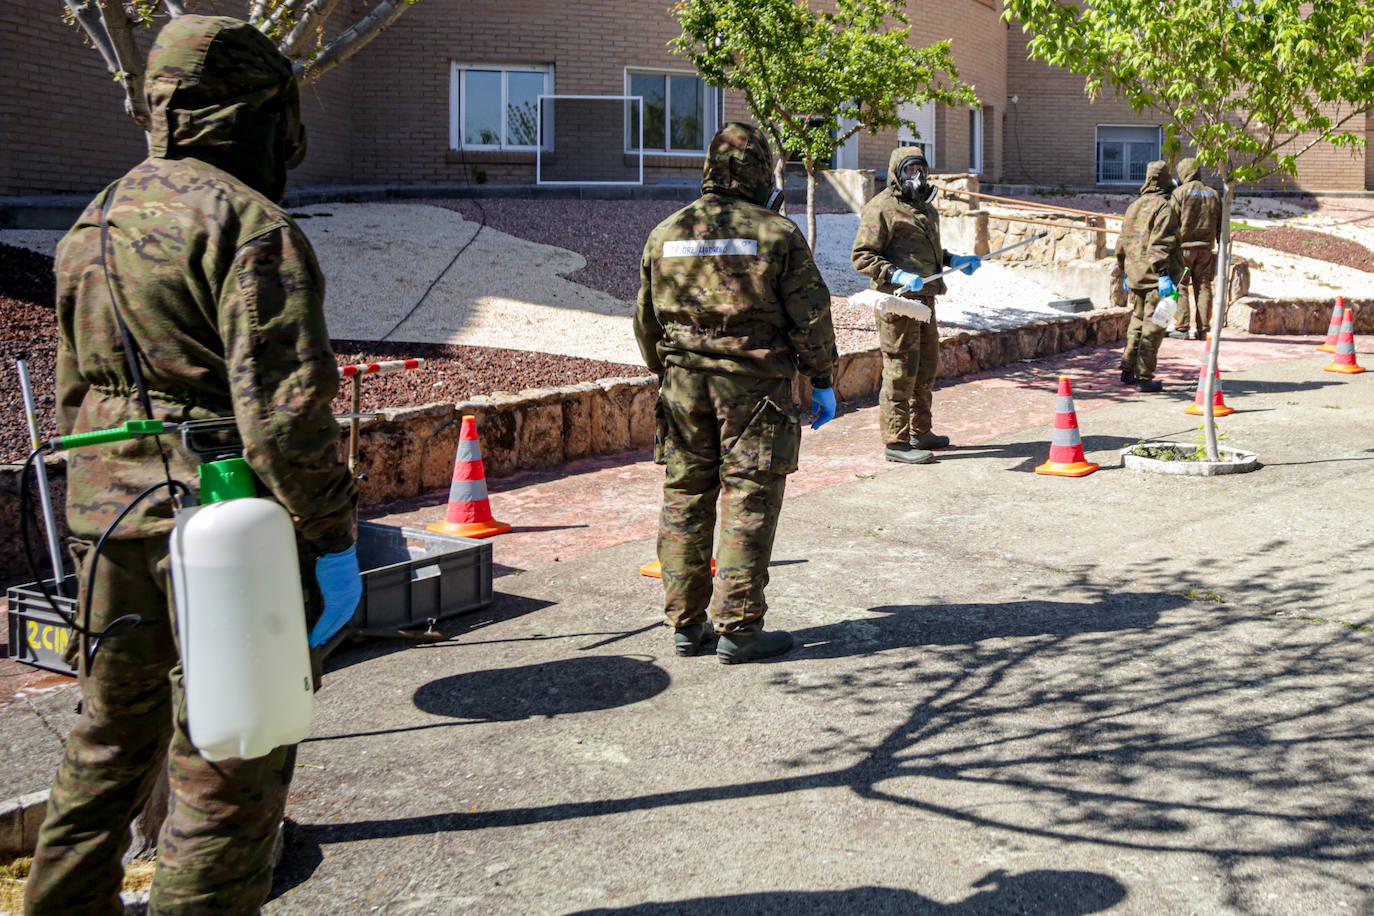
(37, 636)
(411, 576)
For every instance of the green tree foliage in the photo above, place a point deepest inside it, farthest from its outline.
(811, 79)
(1248, 85)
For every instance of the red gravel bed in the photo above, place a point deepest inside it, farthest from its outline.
(1309, 243)
(27, 293)
(455, 373)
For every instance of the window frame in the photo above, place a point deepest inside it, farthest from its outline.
(1098, 142)
(457, 110)
(710, 121)
(975, 141)
(927, 145)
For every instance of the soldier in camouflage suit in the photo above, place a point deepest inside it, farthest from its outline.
(1199, 226)
(222, 295)
(731, 307)
(1148, 254)
(899, 236)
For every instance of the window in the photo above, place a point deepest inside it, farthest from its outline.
(1124, 152)
(924, 116)
(496, 107)
(680, 112)
(975, 140)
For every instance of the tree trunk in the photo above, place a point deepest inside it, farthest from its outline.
(780, 180)
(1220, 302)
(811, 203)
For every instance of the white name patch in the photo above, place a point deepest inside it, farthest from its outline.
(710, 248)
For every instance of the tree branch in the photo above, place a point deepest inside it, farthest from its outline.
(351, 39)
(315, 14)
(111, 32)
(256, 14)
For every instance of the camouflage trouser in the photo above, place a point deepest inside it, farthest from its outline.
(734, 436)
(1143, 335)
(215, 846)
(911, 357)
(1202, 270)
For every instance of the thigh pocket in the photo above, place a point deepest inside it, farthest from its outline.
(771, 442)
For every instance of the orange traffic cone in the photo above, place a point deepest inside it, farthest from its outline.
(1198, 408)
(1345, 348)
(654, 570)
(1333, 330)
(469, 510)
(1066, 448)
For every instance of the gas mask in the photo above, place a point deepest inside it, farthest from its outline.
(914, 186)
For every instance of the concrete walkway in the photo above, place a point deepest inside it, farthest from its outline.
(1014, 693)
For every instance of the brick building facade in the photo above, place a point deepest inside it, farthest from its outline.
(447, 96)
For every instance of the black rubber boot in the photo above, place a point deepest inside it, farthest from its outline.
(904, 453)
(734, 649)
(928, 440)
(1127, 377)
(1149, 386)
(694, 637)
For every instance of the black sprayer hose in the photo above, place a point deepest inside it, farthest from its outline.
(116, 627)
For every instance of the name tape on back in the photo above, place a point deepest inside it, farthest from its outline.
(710, 248)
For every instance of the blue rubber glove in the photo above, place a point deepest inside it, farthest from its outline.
(1166, 286)
(908, 279)
(342, 584)
(823, 405)
(968, 263)
(1124, 285)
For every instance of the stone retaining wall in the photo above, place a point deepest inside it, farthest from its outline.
(1295, 316)
(408, 451)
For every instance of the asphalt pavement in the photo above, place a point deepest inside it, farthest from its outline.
(1013, 693)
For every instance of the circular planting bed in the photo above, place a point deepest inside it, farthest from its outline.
(1186, 460)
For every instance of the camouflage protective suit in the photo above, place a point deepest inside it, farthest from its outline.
(222, 295)
(1147, 249)
(1199, 226)
(731, 307)
(900, 234)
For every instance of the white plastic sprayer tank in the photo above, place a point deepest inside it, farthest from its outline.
(240, 619)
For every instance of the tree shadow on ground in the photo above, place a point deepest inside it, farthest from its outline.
(1044, 892)
(1118, 721)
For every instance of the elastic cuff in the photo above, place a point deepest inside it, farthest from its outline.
(823, 381)
(946, 259)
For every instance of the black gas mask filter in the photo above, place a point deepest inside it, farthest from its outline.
(915, 187)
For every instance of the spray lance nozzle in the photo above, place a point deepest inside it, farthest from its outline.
(131, 429)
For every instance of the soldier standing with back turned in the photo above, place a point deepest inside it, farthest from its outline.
(1148, 253)
(731, 308)
(223, 305)
(1199, 226)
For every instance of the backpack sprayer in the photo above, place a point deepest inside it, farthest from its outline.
(236, 586)
(899, 304)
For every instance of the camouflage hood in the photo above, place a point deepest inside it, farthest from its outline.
(218, 90)
(1188, 170)
(739, 163)
(1158, 180)
(894, 160)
